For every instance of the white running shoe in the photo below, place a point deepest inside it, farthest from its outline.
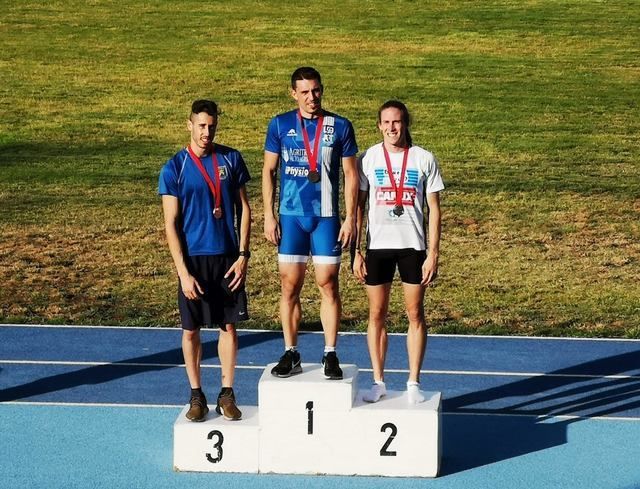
(414, 394)
(378, 390)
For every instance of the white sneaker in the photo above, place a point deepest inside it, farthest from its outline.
(414, 394)
(378, 390)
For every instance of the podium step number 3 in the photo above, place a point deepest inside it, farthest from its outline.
(307, 424)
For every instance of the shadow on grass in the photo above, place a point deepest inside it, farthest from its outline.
(476, 432)
(102, 374)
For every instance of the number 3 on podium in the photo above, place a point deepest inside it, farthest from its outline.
(217, 445)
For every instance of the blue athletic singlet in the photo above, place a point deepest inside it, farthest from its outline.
(299, 196)
(180, 177)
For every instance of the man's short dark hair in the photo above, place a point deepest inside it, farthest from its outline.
(207, 106)
(305, 73)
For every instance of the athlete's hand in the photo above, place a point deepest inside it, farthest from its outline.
(191, 288)
(347, 232)
(429, 269)
(272, 230)
(359, 267)
(239, 272)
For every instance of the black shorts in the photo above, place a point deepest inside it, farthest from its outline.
(381, 265)
(218, 305)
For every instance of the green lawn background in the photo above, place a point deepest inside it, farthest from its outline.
(531, 108)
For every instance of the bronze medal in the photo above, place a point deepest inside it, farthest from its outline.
(313, 176)
(398, 187)
(214, 185)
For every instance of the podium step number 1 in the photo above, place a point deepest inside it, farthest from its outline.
(307, 424)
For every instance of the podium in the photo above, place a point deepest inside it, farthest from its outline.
(307, 424)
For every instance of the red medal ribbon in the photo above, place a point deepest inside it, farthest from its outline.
(399, 188)
(311, 157)
(214, 187)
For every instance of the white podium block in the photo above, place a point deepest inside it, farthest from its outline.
(217, 445)
(306, 442)
(303, 419)
(311, 385)
(395, 438)
(307, 424)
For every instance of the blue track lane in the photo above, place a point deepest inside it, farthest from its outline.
(518, 411)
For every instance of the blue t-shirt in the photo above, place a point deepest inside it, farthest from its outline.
(180, 177)
(298, 196)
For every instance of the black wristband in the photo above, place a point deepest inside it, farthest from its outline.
(246, 254)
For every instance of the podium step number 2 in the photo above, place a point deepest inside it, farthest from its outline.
(325, 426)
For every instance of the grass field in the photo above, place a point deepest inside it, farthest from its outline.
(530, 106)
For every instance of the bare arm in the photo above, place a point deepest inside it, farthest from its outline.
(359, 266)
(171, 209)
(347, 231)
(430, 266)
(239, 268)
(271, 228)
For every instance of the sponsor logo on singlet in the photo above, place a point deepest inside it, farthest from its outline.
(411, 177)
(292, 132)
(294, 155)
(296, 171)
(387, 196)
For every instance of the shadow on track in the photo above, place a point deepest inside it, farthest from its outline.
(484, 427)
(100, 374)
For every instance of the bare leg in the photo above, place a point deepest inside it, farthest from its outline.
(377, 338)
(377, 330)
(417, 333)
(330, 305)
(227, 353)
(291, 281)
(192, 352)
(416, 339)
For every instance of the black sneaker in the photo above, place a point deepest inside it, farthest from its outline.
(288, 365)
(331, 364)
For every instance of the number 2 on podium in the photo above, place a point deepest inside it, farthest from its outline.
(384, 451)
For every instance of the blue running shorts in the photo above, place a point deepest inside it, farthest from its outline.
(301, 235)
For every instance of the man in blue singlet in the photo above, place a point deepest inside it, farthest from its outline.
(309, 144)
(203, 194)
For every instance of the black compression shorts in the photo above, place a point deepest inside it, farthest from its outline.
(381, 265)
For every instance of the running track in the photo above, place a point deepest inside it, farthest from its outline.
(94, 407)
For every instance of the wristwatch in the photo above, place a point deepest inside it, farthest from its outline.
(246, 254)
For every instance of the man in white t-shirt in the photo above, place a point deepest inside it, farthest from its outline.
(398, 179)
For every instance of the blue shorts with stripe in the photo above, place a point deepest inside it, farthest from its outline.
(301, 235)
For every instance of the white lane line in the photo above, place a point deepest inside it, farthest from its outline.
(342, 333)
(115, 364)
(262, 367)
(542, 418)
(92, 404)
